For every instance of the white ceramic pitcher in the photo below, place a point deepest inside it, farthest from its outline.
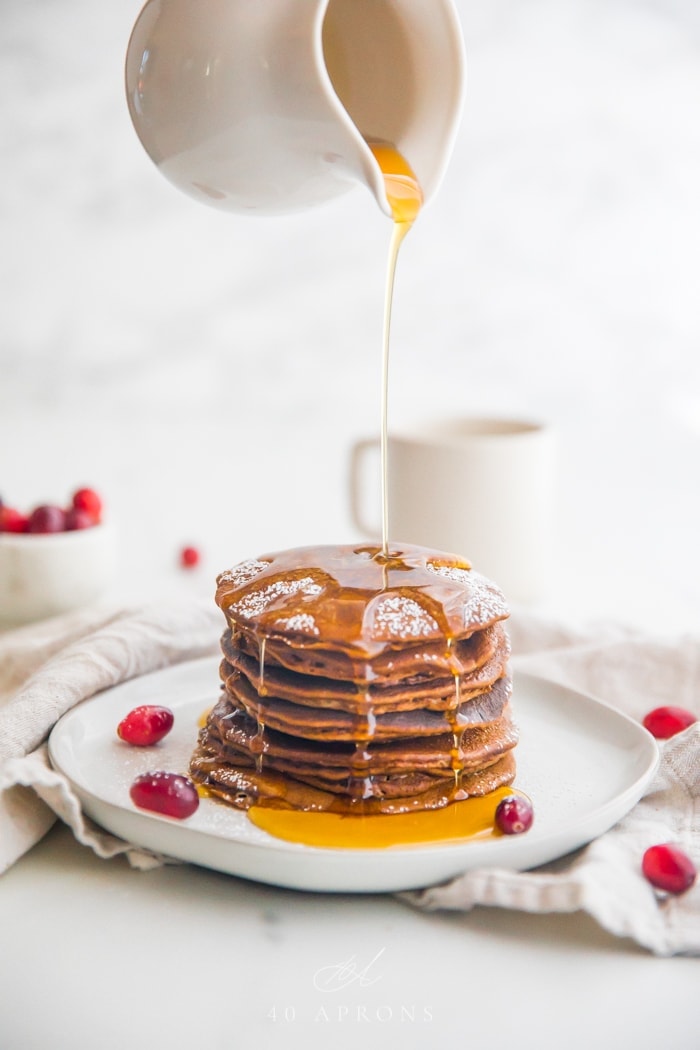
(265, 106)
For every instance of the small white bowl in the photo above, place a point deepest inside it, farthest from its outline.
(44, 574)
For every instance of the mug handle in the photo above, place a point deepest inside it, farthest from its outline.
(357, 458)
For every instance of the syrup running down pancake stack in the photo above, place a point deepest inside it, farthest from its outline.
(359, 682)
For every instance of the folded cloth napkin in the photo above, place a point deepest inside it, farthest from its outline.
(634, 673)
(47, 669)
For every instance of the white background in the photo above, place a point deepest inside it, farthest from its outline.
(209, 372)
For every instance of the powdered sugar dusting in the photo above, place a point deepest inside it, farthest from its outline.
(302, 622)
(397, 617)
(451, 572)
(258, 602)
(240, 574)
(484, 602)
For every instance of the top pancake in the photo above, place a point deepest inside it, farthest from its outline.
(356, 600)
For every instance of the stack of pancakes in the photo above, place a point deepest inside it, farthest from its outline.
(355, 681)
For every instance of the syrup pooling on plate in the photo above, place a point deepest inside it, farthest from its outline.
(405, 198)
(474, 818)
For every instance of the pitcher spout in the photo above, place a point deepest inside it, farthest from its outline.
(268, 107)
(398, 71)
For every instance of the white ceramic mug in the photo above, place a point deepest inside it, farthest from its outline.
(265, 105)
(480, 488)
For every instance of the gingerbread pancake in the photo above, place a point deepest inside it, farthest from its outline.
(354, 679)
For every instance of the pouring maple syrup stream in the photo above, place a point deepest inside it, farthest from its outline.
(405, 198)
(469, 818)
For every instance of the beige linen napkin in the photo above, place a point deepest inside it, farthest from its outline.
(46, 669)
(635, 674)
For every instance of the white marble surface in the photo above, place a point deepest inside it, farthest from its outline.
(182, 957)
(209, 374)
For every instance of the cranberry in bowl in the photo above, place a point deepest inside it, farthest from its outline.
(53, 558)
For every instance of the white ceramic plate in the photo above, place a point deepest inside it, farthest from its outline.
(583, 764)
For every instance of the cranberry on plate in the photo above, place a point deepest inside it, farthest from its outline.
(146, 725)
(514, 815)
(169, 794)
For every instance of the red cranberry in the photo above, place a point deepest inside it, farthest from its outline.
(47, 518)
(514, 815)
(189, 557)
(12, 520)
(78, 519)
(168, 793)
(668, 868)
(664, 722)
(88, 500)
(146, 725)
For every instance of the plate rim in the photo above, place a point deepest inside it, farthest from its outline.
(577, 833)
